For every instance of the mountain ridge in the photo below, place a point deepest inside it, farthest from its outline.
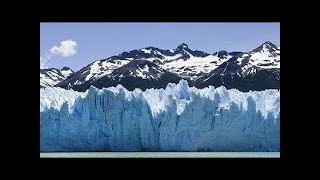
(52, 76)
(201, 69)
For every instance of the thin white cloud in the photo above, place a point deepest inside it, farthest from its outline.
(66, 48)
(42, 62)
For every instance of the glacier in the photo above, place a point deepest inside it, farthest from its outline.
(177, 118)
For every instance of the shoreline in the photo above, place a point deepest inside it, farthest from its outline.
(161, 155)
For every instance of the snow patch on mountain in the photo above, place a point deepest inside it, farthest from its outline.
(141, 72)
(66, 73)
(194, 65)
(146, 50)
(102, 68)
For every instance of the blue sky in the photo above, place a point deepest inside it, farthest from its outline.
(93, 41)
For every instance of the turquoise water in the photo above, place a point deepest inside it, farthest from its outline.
(163, 155)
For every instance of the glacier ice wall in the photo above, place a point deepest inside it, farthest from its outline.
(178, 118)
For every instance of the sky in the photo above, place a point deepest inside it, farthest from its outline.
(75, 45)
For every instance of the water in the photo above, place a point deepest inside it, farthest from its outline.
(162, 155)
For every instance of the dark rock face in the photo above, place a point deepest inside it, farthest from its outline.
(261, 80)
(222, 54)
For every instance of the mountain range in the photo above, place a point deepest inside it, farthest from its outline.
(151, 67)
(52, 76)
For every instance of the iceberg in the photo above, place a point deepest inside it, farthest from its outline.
(177, 118)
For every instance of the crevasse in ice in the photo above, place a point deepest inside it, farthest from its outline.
(177, 118)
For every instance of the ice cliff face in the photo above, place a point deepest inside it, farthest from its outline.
(178, 118)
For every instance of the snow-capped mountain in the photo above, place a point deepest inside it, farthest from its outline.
(258, 69)
(199, 68)
(141, 74)
(52, 76)
(181, 61)
(176, 118)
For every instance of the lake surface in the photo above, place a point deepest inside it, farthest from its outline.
(162, 155)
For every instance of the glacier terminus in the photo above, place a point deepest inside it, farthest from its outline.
(175, 118)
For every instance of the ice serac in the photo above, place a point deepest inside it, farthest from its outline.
(177, 118)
